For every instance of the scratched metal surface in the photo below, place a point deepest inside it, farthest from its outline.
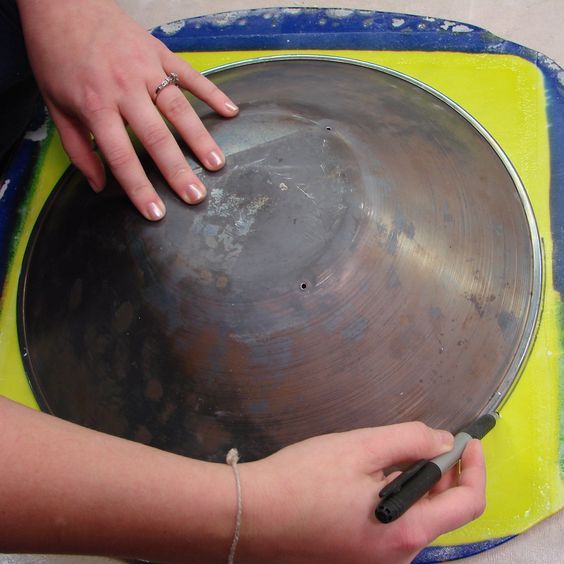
(364, 258)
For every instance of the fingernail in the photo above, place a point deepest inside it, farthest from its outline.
(446, 439)
(215, 159)
(195, 194)
(155, 211)
(231, 107)
(94, 186)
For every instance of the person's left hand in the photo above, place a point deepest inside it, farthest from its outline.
(98, 70)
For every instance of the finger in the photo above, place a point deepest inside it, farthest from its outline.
(77, 142)
(405, 442)
(389, 478)
(392, 476)
(458, 505)
(156, 137)
(176, 108)
(190, 79)
(472, 466)
(114, 143)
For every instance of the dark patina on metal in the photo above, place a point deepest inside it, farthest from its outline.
(367, 256)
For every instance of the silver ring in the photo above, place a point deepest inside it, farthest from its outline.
(172, 78)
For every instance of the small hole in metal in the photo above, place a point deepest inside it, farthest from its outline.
(303, 285)
(328, 128)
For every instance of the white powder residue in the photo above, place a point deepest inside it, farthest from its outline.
(292, 11)
(4, 187)
(447, 24)
(460, 28)
(38, 134)
(173, 27)
(227, 18)
(548, 62)
(339, 12)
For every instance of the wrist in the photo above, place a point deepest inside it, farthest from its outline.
(267, 520)
(202, 512)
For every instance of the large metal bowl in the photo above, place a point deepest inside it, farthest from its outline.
(367, 256)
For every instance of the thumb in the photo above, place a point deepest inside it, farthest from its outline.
(406, 442)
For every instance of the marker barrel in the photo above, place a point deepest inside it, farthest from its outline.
(396, 505)
(481, 427)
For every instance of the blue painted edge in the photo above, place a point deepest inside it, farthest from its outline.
(433, 554)
(323, 28)
(554, 92)
(13, 187)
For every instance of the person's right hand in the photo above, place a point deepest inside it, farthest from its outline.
(98, 70)
(314, 501)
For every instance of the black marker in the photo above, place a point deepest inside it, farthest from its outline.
(400, 494)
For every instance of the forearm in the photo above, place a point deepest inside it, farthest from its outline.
(39, 7)
(64, 488)
(57, 31)
(67, 16)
